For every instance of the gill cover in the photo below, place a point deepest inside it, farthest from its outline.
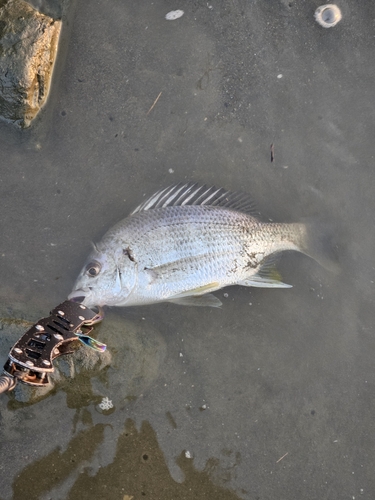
(126, 270)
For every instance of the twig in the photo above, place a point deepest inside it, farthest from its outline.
(282, 457)
(272, 147)
(156, 100)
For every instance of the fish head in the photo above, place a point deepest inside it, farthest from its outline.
(107, 278)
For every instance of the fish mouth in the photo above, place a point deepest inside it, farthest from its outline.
(77, 296)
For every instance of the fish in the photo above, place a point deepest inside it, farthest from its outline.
(186, 242)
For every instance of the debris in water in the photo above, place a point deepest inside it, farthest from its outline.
(272, 148)
(156, 100)
(106, 404)
(174, 14)
(282, 457)
(328, 15)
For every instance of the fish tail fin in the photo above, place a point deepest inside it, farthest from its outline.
(317, 240)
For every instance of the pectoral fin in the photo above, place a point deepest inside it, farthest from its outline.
(207, 300)
(198, 296)
(200, 290)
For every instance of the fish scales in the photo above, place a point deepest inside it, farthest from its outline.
(166, 235)
(183, 252)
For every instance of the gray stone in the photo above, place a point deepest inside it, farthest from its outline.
(28, 47)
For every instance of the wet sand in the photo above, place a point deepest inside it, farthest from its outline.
(269, 397)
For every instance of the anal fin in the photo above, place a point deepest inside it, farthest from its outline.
(266, 277)
(261, 282)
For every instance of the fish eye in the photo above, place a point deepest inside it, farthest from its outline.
(93, 269)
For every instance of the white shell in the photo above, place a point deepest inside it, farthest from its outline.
(328, 15)
(174, 14)
(106, 404)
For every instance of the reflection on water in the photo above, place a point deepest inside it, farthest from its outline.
(274, 373)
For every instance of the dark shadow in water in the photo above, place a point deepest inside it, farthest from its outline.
(138, 471)
(39, 477)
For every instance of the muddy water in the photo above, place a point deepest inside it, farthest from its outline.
(270, 396)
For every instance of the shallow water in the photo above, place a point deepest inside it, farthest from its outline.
(270, 396)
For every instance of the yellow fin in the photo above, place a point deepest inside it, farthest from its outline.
(200, 290)
(266, 277)
(206, 300)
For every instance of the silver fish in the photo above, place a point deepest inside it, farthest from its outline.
(183, 243)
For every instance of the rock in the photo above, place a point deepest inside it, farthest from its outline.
(28, 47)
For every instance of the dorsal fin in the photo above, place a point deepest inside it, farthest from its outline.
(191, 193)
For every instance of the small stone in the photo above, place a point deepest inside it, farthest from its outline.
(174, 14)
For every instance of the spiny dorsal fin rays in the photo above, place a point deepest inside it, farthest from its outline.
(202, 197)
(156, 198)
(187, 196)
(193, 194)
(172, 198)
(210, 196)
